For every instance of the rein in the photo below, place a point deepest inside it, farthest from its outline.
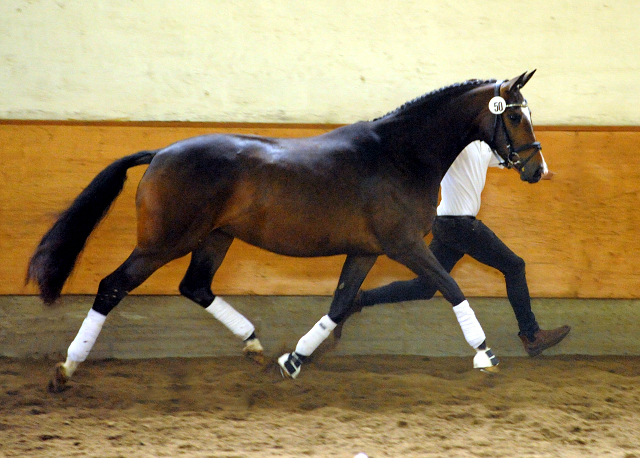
(513, 159)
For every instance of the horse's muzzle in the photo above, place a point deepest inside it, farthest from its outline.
(531, 178)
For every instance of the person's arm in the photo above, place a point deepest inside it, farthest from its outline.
(495, 161)
(546, 173)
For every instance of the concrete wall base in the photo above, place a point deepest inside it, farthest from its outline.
(171, 326)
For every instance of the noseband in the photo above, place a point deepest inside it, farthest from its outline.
(513, 159)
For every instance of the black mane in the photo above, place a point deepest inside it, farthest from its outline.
(438, 94)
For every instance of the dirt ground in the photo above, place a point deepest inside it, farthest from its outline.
(384, 406)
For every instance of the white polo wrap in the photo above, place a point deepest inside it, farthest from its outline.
(469, 323)
(231, 318)
(312, 339)
(86, 337)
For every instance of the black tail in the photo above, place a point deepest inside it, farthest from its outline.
(54, 258)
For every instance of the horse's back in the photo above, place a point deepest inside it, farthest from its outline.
(199, 159)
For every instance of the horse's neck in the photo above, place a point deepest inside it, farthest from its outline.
(433, 141)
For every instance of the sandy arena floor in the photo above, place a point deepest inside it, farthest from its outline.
(384, 406)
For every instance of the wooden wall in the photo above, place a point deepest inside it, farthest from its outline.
(577, 232)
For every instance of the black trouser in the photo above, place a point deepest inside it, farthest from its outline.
(453, 237)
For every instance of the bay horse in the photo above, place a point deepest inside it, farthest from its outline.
(361, 190)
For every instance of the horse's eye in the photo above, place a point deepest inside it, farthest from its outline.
(515, 118)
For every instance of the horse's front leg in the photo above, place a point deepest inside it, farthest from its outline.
(418, 257)
(354, 271)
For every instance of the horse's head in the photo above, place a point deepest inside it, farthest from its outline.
(512, 136)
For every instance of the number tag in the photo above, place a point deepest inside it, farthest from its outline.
(497, 105)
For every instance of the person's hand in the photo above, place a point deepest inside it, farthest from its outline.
(547, 176)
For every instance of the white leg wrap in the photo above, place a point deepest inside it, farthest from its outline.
(231, 318)
(312, 339)
(469, 323)
(87, 335)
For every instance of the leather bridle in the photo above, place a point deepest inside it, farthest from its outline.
(513, 159)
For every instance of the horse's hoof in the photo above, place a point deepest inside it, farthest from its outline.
(491, 369)
(256, 357)
(486, 361)
(58, 382)
(289, 365)
(254, 351)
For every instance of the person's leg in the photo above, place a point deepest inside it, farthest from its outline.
(484, 245)
(475, 239)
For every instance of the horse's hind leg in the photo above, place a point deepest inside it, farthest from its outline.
(354, 272)
(196, 285)
(113, 288)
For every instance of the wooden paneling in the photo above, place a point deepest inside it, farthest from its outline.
(577, 232)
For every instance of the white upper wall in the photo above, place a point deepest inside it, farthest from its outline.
(316, 61)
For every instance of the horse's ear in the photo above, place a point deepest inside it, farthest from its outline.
(519, 81)
(527, 76)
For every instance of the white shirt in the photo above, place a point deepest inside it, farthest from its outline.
(463, 183)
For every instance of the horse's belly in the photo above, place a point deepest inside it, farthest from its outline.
(307, 241)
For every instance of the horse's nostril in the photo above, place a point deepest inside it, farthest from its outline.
(537, 175)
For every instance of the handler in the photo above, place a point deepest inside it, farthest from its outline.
(457, 232)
